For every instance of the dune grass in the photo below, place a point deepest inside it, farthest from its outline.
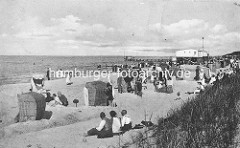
(208, 120)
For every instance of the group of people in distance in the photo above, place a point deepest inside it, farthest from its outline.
(68, 76)
(130, 84)
(109, 127)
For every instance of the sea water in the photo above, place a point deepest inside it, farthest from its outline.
(19, 69)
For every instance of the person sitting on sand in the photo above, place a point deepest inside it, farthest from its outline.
(212, 80)
(116, 125)
(68, 79)
(63, 99)
(158, 84)
(37, 84)
(104, 129)
(55, 101)
(125, 121)
(49, 97)
(200, 88)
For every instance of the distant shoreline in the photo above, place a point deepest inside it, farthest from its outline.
(19, 68)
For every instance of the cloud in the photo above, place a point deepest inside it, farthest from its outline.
(3, 35)
(31, 28)
(70, 46)
(227, 38)
(159, 49)
(101, 44)
(187, 34)
(219, 29)
(70, 27)
(73, 33)
(159, 38)
(181, 28)
(74, 27)
(62, 41)
(232, 37)
(70, 30)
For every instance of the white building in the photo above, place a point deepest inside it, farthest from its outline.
(193, 53)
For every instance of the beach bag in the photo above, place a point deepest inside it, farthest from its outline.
(31, 106)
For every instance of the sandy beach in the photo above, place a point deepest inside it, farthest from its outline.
(188, 51)
(67, 125)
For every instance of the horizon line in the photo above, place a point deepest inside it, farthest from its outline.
(92, 55)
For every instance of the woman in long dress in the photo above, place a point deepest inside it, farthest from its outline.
(69, 79)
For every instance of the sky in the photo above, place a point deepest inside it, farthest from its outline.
(118, 27)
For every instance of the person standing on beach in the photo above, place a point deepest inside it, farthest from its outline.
(138, 87)
(48, 74)
(120, 85)
(109, 94)
(128, 81)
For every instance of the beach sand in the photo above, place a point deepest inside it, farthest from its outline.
(67, 125)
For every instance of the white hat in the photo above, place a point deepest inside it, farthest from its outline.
(38, 76)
